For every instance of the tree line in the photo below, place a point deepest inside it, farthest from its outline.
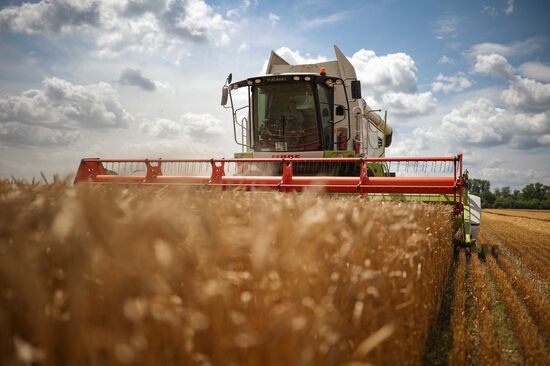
(532, 196)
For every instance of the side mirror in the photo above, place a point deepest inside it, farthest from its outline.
(229, 78)
(355, 89)
(340, 111)
(225, 94)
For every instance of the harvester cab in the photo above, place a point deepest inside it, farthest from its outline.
(308, 110)
(306, 127)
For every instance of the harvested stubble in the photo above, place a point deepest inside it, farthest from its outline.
(108, 275)
(521, 246)
(516, 223)
(459, 350)
(488, 345)
(532, 347)
(539, 307)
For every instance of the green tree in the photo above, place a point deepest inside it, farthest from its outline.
(504, 202)
(536, 191)
(478, 186)
(532, 196)
(487, 199)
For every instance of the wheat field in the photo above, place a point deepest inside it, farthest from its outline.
(115, 275)
(500, 310)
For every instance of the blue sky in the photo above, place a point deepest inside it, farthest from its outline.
(142, 77)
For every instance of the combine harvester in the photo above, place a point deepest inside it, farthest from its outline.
(306, 127)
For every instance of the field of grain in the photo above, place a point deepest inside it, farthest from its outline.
(109, 275)
(139, 276)
(506, 310)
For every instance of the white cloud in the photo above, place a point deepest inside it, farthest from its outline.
(273, 19)
(232, 13)
(447, 84)
(19, 133)
(395, 72)
(535, 70)
(295, 57)
(182, 147)
(405, 104)
(516, 48)
(139, 34)
(509, 10)
(476, 122)
(135, 8)
(162, 127)
(93, 106)
(124, 26)
(447, 27)
(193, 19)
(55, 113)
(495, 65)
(527, 95)
(201, 126)
(50, 16)
(523, 94)
(445, 60)
(196, 126)
(389, 82)
(236, 12)
(324, 20)
(480, 123)
(503, 176)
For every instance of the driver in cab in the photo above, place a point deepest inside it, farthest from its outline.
(290, 119)
(292, 114)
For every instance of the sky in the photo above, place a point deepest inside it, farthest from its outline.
(143, 78)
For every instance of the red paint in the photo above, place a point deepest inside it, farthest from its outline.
(342, 139)
(93, 170)
(286, 156)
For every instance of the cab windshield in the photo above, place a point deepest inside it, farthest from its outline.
(285, 117)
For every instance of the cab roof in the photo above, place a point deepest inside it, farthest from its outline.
(286, 77)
